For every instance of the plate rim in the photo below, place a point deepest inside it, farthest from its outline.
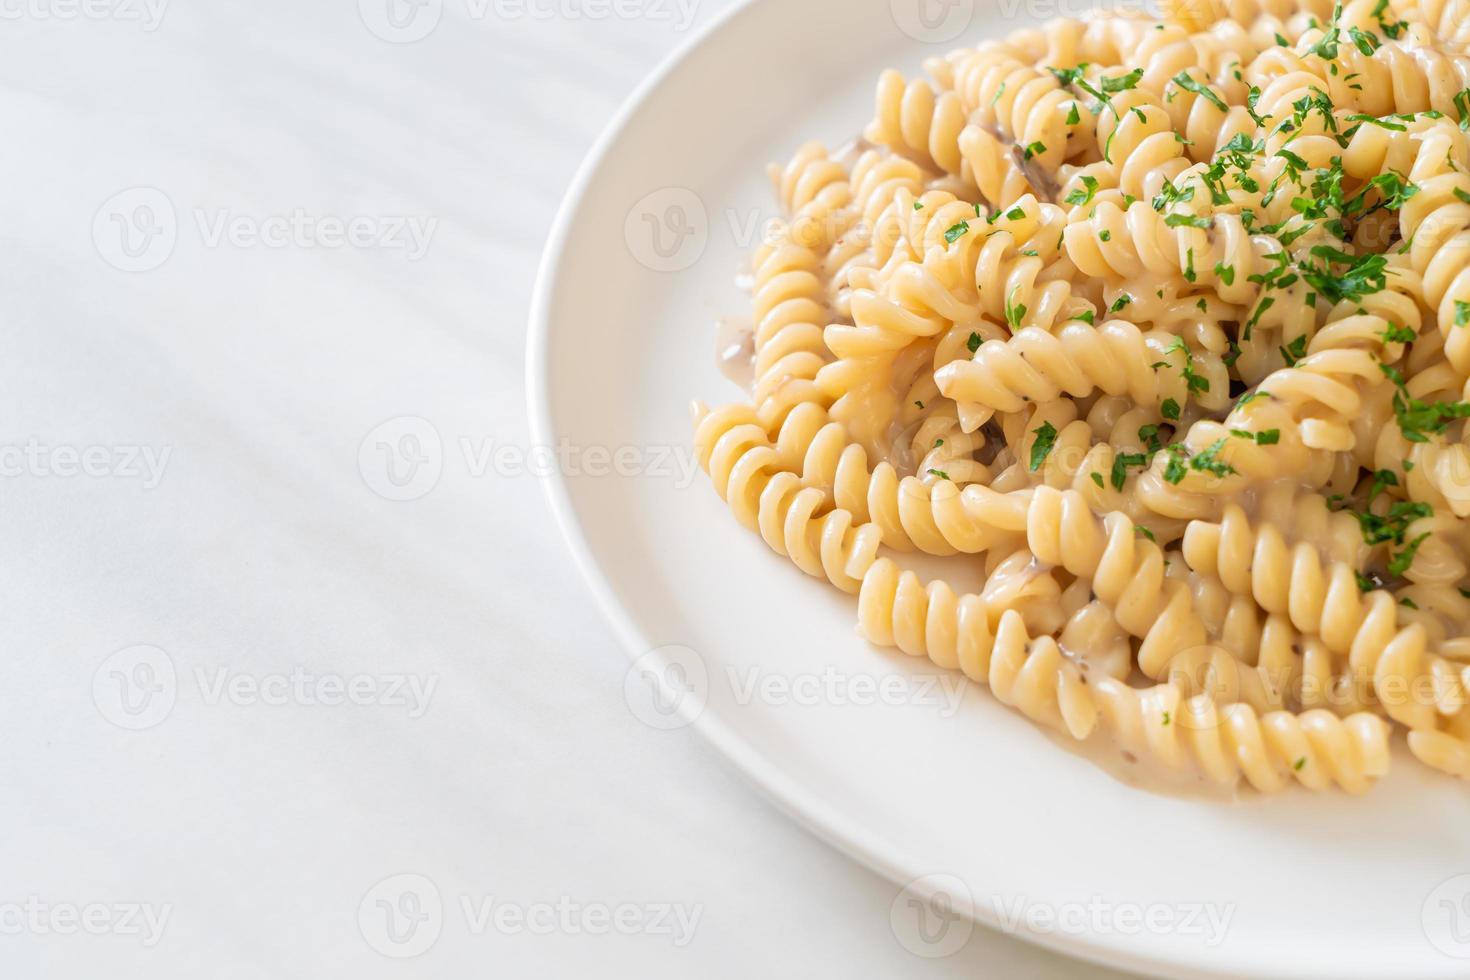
(827, 823)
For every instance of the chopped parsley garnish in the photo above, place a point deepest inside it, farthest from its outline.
(1046, 438)
(1174, 470)
(1393, 527)
(1363, 276)
(1419, 420)
(956, 232)
(1199, 88)
(1404, 560)
(1169, 194)
(1194, 382)
(1084, 194)
(1121, 463)
(1190, 220)
(1209, 461)
(1122, 83)
(1014, 314)
(1396, 334)
(1249, 397)
(1170, 409)
(1382, 480)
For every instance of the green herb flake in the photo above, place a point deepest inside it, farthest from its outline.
(1014, 314)
(1046, 439)
(1202, 90)
(1082, 195)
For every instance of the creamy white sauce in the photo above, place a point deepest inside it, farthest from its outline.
(735, 350)
(848, 153)
(1102, 751)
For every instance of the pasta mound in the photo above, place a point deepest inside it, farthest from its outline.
(1165, 325)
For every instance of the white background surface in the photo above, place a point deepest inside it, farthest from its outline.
(261, 370)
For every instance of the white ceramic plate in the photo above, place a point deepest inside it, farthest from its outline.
(976, 802)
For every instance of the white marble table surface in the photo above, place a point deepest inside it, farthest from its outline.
(243, 687)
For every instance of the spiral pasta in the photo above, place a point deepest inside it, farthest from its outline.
(1161, 724)
(1162, 328)
(1324, 599)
